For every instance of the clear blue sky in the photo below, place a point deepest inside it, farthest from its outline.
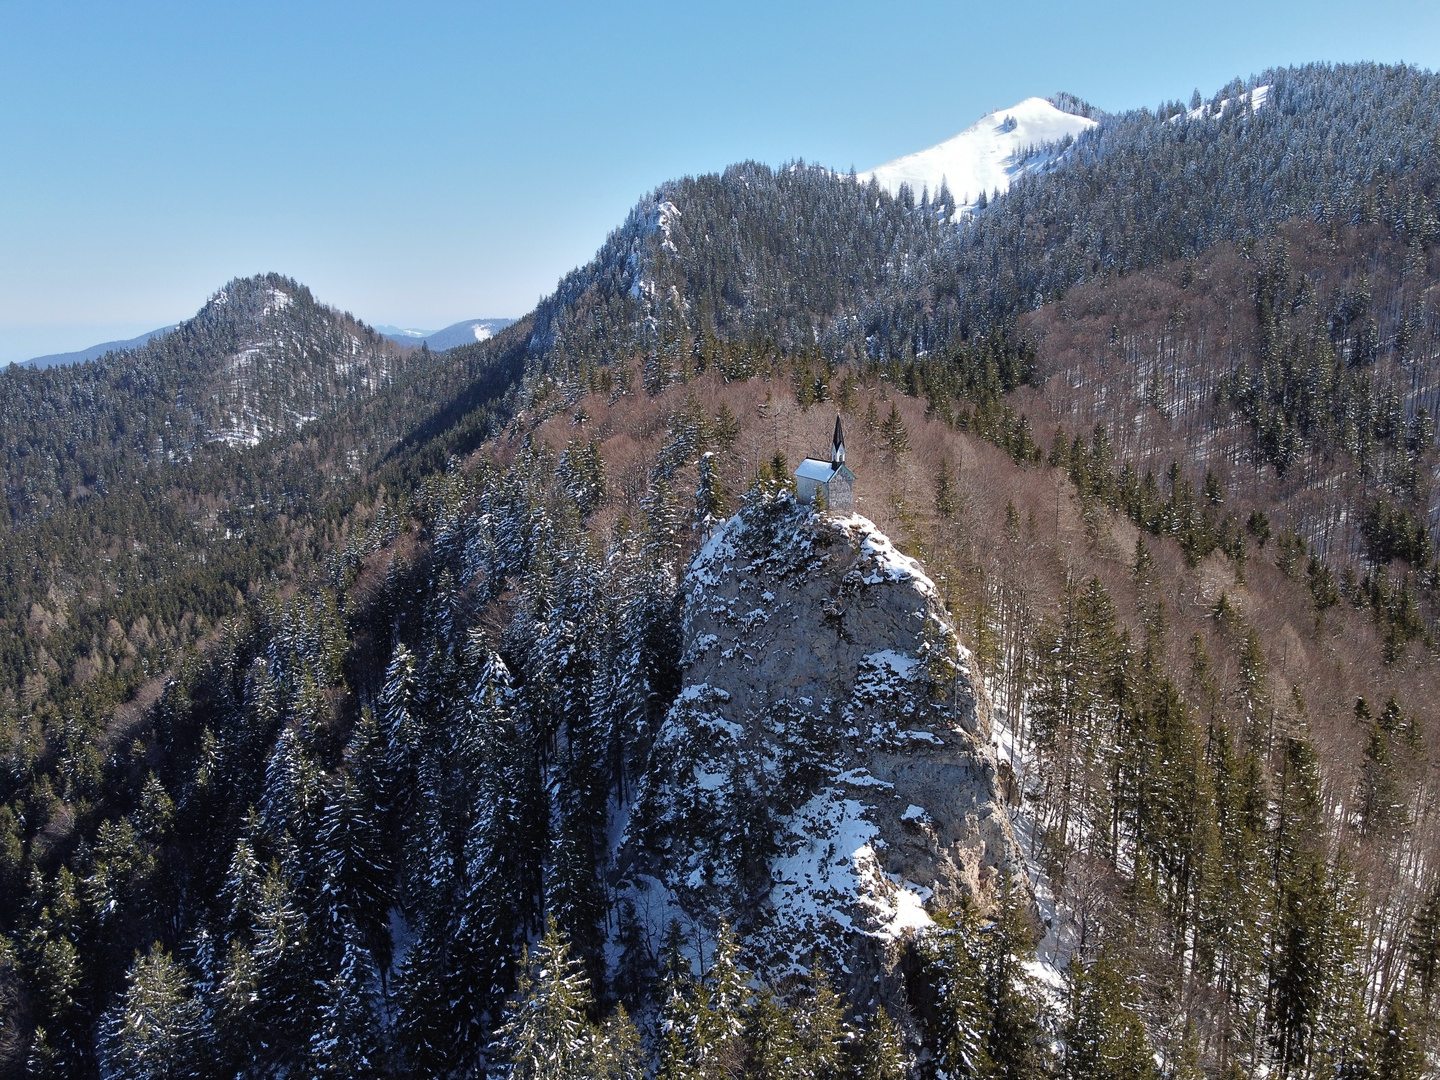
(419, 163)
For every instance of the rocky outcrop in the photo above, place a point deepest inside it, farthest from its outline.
(825, 778)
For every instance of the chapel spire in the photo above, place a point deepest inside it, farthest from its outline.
(837, 447)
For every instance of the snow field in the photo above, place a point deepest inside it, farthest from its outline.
(987, 157)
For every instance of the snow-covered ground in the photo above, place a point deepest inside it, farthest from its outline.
(1256, 98)
(987, 157)
(1052, 955)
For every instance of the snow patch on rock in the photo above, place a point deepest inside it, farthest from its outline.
(825, 692)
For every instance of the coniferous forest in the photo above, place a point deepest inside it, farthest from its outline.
(340, 681)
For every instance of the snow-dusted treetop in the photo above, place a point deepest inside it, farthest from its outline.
(986, 157)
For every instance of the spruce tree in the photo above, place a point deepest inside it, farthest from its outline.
(268, 987)
(729, 991)
(1104, 1037)
(1186, 1063)
(154, 1032)
(702, 1021)
(962, 1021)
(880, 1054)
(683, 1048)
(821, 1029)
(710, 501)
(772, 1045)
(1381, 808)
(1017, 1046)
(947, 499)
(356, 889)
(1308, 925)
(401, 729)
(1231, 911)
(633, 973)
(897, 439)
(1423, 948)
(480, 886)
(619, 1054)
(240, 891)
(546, 1033)
(1395, 1051)
(239, 1027)
(348, 1040)
(576, 899)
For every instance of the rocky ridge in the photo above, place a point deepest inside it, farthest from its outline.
(825, 779)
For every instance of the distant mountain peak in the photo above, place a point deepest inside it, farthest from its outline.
(404, 335)
(466, 332)
(991, 154)
(272, 290)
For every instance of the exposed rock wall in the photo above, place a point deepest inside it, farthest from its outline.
(825, 778)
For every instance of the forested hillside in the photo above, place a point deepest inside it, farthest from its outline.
(321, 753)
(105, 594)
(787, 255)
(1300, 373)
(261, 357)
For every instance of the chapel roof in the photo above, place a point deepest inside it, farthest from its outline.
(815, 469)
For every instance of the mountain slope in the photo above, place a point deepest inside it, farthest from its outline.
(802, 259)
(94, 352)
(168, 546)
(1302, 374)
(987, 157)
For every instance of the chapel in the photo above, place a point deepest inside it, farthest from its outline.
(831, 482)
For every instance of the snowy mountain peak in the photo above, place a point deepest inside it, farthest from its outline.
(988, 156)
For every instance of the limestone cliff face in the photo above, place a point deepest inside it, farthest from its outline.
(824, 779)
